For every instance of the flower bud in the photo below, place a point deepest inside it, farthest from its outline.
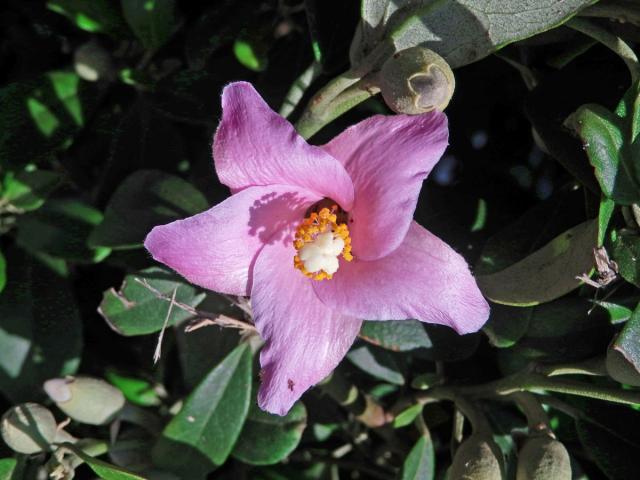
(477, 458)
(620, 369)
(543, 457)
(416, 80)
(85, 399)
(28, 428)
(92, 62)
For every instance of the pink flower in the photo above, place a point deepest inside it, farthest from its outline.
(321, 238)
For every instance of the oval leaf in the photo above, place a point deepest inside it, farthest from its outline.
(142, 304)
(420, 463)
(461, 31)
(267, 439)
(602, 137)
(623, 356)
(546, 274)
(145, 199)
(201, 436)
(398, 336)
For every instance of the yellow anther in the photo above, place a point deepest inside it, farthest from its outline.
(319, 248)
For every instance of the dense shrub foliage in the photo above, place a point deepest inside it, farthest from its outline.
(113, 366)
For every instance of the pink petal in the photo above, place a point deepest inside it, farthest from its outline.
(216, 248)
(305, 340)
(256, 146)
(388, 157)
(423, 279)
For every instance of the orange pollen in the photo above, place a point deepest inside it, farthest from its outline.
(319, 241)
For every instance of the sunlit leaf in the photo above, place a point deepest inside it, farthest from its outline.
(42, 115)
(95, 16)
(28, 189)
(142, 303)
(626, 253)
(407, 416)
(420, 463)
(462, 31)
(623, 355)
(137, 391)
(248, 55)
(7, 468)
(202, 435)
(546, 274)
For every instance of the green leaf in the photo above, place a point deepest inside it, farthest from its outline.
(3, 272)
(153, 21)
(101, 468)
(407, 416)
(564, 330)
(202, 349)
(201, 436)
(28, 189)
(267, 439)
(137, 310)
(137, 391)
(461, 31)
(507, 325)
(250, 54)
(605, 212)
(399, 336)
(626, 253)
(41, 116)
(7, 468)
(601, 132)
(623, 355)
(96, 16)
(609, 433)
(531, 231)
(145, 199)
(546, 274)
(617, 313)
(60, 228)
(420, 463)
(436, 342)
(377, 362)
(40, 331)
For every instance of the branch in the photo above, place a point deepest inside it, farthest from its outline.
(201, 318)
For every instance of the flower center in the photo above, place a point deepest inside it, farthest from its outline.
(319, 241)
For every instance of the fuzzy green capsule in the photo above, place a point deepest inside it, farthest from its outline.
(28, 428)
(542, 458)
(85, 399)
(477, 458)
(416, 80)
(92, 62)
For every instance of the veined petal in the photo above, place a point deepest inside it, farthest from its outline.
(387, 157)
(215, 249)
(255, 146)
(305, 340)
(424, 279)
